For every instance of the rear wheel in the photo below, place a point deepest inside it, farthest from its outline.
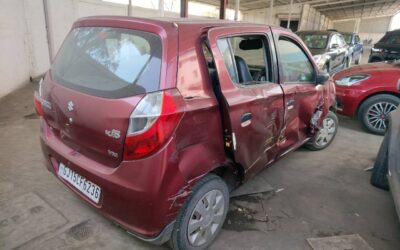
(374, 112)
(325, 134)
(201, 218)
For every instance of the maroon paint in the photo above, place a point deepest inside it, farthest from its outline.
(145, 195)
(383, 79)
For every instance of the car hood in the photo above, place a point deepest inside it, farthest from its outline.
(393, 67)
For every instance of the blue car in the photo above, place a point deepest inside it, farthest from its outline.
(356, 47)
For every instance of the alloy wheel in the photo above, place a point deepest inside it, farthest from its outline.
(206, 218)
(378, 113)
(326, 132)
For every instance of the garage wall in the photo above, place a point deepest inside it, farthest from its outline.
(311, 19)
(367, 28)
(14, 68)
(263, 15)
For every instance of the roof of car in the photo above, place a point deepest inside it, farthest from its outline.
(167, 21)
(318, 32)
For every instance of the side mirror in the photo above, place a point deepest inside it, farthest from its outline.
(334, 46)
(322, 77)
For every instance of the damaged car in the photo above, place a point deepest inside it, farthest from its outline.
(154, 121)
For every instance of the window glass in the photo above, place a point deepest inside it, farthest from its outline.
(393, 40)
(357, 39)
(296, 67)
(314, 41)
(251, 51)
(348, 38)
(223, 46)
(109, 62)
(246, 58)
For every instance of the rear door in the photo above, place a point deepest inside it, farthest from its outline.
(253, 98)
(302, 96)
(98, 77)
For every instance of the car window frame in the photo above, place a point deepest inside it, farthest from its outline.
(280, 66)
(266, 39)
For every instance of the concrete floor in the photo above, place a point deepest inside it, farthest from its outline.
(317, 194)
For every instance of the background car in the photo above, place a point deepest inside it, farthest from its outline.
(356, 47)
(369, 92)
(387, 49)
(330, 51)
(386, 171)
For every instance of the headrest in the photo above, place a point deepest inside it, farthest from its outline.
(250, 44)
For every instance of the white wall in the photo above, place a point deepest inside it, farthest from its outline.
(263, 15)
(15, 57)
(367, 28)
(311, 19)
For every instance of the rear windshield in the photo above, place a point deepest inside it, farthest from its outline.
(314, 41)
(109, 62)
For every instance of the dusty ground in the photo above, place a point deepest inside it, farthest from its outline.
(320, 194)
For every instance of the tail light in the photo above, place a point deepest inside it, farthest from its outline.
(152, 123)
(37, 99)
(38, 104)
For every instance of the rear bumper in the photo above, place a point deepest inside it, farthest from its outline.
(140, 196)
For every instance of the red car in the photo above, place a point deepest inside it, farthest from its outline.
(153, 122)
(369, 92)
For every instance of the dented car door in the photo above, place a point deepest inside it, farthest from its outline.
(303, 97)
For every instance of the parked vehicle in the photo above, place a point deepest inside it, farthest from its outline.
(356, 47)
(387, 49)
(386, 171)
(153, 122)
(330, 51)
(369, 92)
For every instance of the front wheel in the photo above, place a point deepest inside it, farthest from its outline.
(202, 216)
(374, 112)
(326, 133)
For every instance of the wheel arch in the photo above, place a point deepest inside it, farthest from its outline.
(374, 94)
(231, 173)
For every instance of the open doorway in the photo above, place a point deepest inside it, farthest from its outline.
(294, 24)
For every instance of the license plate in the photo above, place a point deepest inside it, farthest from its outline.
(88, 188)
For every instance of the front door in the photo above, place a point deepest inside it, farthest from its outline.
(253, 99)
(303, 96)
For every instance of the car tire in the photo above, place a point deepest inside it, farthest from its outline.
(207, 219)
(369, 116)
(326, 134)
(380, 169)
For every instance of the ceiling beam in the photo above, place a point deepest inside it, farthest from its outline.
(333, 3)
(357, 5)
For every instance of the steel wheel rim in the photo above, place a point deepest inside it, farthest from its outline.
(206, 218)
(326, 132)
(378, 113)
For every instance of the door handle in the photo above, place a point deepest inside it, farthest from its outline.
(245, 119)
(290, 104)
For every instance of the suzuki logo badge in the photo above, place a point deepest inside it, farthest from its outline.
(70, 106)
